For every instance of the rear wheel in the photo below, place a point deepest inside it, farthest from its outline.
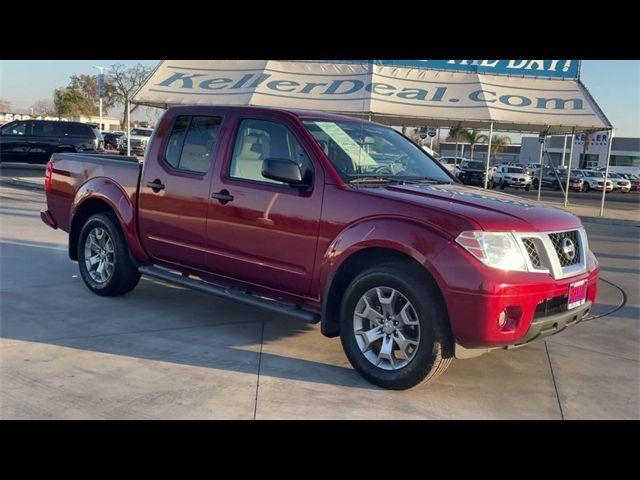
(393, 329)
(104, 259)
(556, 185)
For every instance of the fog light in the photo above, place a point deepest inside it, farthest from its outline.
(502, 319)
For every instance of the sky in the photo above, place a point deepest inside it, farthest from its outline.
(615, 85)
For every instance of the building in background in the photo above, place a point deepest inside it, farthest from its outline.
(588, 152)
(109, 124)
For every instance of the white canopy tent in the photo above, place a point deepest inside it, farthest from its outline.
(383, 92)
(389, 94)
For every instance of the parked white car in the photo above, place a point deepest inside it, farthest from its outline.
(452, 164)
(139, 141)
(511, 176)
(593, 180)
(619, 182)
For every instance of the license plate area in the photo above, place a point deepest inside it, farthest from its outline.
(577, 294)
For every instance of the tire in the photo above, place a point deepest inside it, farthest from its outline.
(493, 185)
(123, 275)
(535, 183)
(586, 187)
(527, 188)
(433, 353)
(503, 186)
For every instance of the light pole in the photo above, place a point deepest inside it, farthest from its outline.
(101, 89)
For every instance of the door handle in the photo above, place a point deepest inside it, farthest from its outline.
(223, 196)
(156, 185)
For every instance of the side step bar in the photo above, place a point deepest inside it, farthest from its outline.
(230, 293)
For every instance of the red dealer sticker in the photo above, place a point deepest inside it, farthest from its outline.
(577, 294)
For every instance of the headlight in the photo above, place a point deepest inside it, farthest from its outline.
(494, 249)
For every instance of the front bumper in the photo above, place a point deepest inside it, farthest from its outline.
(476, 295)
(540, 328)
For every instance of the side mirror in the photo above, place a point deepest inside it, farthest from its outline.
(284, 170)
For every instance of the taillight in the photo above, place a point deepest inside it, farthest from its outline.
(48, 177)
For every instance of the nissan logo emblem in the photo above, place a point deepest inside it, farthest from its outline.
(568, 249)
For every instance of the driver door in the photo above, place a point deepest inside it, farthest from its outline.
(258, 230)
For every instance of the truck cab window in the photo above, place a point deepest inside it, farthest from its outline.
(191, 143)
(258, 140)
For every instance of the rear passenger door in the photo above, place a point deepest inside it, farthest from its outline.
(174, 190)
(44, 141)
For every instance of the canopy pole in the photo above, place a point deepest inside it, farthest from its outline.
(128, 128)
(606, 172)
(566, 190)
(486, 173)
(544, 139)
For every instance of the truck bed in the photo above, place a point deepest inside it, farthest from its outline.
(72, 171)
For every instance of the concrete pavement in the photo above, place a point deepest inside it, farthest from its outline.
(167, 352)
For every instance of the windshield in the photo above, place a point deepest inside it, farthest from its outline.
(363, 150)
(514, 170)
(592, 174)
(140, 132)
(472, 165)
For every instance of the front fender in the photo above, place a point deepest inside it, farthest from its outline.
(109, 192)
(405, 235)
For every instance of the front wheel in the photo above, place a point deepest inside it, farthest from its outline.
(393, 329)
(103, 257)
(527, 188)
(586, 187)
(536, 183)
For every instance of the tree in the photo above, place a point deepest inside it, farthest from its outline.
(87, 86)
(473, 137)
(498, 144)
(80, 97)
(71, 104)
(44, 108)
(5, 105)
(125, 82)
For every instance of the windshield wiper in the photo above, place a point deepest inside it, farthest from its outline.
(397, 180)
(438, 181)
(361, 180)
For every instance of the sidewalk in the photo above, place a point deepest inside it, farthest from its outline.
(612, 216)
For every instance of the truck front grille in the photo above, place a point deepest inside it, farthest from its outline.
(561, 254)
(558, 244)
(532, 251)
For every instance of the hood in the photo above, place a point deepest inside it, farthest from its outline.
(490, 210)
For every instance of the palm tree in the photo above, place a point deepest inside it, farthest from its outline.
(498, 144)
(473, 137)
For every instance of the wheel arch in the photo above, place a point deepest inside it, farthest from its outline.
(370, 243)
(103, 195)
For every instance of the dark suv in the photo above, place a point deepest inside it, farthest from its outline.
(33, 141)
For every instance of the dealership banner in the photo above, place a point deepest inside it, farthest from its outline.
(568, 69)
(388, 93)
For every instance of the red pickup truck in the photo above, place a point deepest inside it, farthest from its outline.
(328, 219)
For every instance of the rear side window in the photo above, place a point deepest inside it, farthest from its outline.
(75, 130)
(45, 129)
(191, 143)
